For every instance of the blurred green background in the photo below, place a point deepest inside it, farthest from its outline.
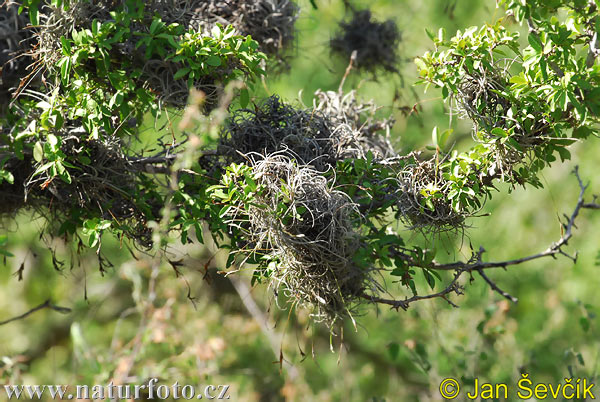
(139, 320)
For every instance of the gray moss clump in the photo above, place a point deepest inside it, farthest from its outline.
(420, 178)
(302, 220)
(103, 180)
(293, 153)
(312, 243)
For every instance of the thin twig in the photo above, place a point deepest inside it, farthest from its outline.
(453, 287)
(496, 288)
(348, 69)
(260, 317)
(46, 304)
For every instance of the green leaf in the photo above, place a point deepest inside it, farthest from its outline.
(434, 136)
(544, 68)
(52, 140)
(34, 15)
(93, 239)
(224, 211)
(430, 34)
(154, 26)
(96, 26)
(181, 73)
(251, 183)
(6, 176)
(66, 46)
(564, 154)
(498, 131)
(169, 39)
(213, 61)
(103, 224)
(43, 105)
(43, 168)
(198, 231)
(216, 32)
(535, 42)
(90, 224)
(582, 132)
(65, 70)
(66, 177)
(441, 34)
(430, 279)
(244, 98)
(518, 79)
(445, 92)
(443, 138)
(38, 152)
(429, 204)
(515, 144)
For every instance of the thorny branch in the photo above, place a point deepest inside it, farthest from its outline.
(476, 263)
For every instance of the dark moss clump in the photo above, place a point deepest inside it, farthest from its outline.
(270, 22)
(336, 128)
(274, 127)
(376, 43)
(15, 41)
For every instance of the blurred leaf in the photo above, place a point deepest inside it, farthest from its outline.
(394, 350)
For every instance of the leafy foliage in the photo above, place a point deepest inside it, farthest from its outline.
(527, 105)
(100, 81)
(137, 185)
(309, 197)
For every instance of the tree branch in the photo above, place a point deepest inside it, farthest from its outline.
(477, 264)
(496, 288)
(404, 304)
(161, 164)
(46, 304)
(553, 250)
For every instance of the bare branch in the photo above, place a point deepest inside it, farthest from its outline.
(46, 304)
(260, 317)
(453, 287)
(496, 288)
(151, 160)
(348, 69)
(553, 250)
(161, 164)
